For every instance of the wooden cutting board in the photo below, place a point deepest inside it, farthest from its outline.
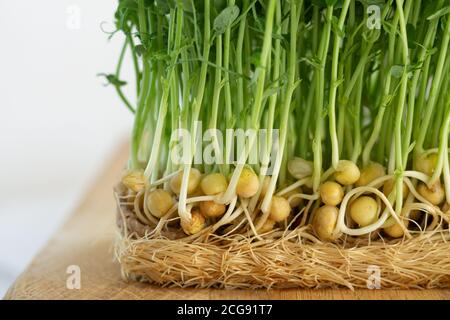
(86, 241)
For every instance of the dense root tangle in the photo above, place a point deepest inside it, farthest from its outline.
(234, 257)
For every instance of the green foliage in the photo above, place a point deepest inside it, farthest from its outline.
(225, 19)
(376, 94)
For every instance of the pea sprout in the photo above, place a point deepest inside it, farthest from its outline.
(362, 115)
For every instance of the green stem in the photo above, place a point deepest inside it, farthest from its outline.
(285, 111)
(434, 89)
(319, 94)
(261, 69)
(399, 110)
(334, 84)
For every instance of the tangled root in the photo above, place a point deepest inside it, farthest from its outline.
(286, 262)
(278, 259)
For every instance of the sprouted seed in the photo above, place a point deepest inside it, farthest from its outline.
(279, 209)
(214, 183)
(193, 182)
(248, 184)
(370, 173)
(267, 226)
(434, 194)
(195, 225)
(363, 210)
(427, 163)
(324, 222)
(212, 209)
(347, 172)
(159, 202)
(389, 185)
(361, 115)
(135, 180)
(395, 231)
(294, 201)
(331, 193)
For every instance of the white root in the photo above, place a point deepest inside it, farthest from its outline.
(341, 227)
(249, 219)
(164, 179)
(417, 175)
(147, 218)
(202, 199)
(227, 217)
(183, 212)
(293, 186)
(415, 193)
(165, 219)
(231, 191)
(254, 200)
(303, 196)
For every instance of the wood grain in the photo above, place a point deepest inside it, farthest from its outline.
(86, 240)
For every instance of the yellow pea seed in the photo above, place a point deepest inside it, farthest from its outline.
(196, 224)
(389, 186)
(212, 209)
(267, 226)
(214, 183)
(363, 210)
(331, 193)
(279, 209)
(347, 172)
(427, 164)
(265, 186)
(435, 194)
(135, 180)
(296, 201)
(193, 181)
(324, 222)
(300, 168)
(248, 184)
(373, 171)
(395, 231)
(159, 202)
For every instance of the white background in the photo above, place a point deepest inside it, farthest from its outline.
(58, 124)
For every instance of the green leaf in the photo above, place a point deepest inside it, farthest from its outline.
(163, 6)
(226, 18)
(415, 66)
(335, 26)
(397, 71)
(255, 58)
(312, 61)
(371, 35)
(439, 13)
(432, 51)
(140, 50)
(232, 121)
(127, 4)
(112, 79)
(271, 91)
(386, 100)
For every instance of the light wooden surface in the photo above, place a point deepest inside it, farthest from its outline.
(86, 240)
